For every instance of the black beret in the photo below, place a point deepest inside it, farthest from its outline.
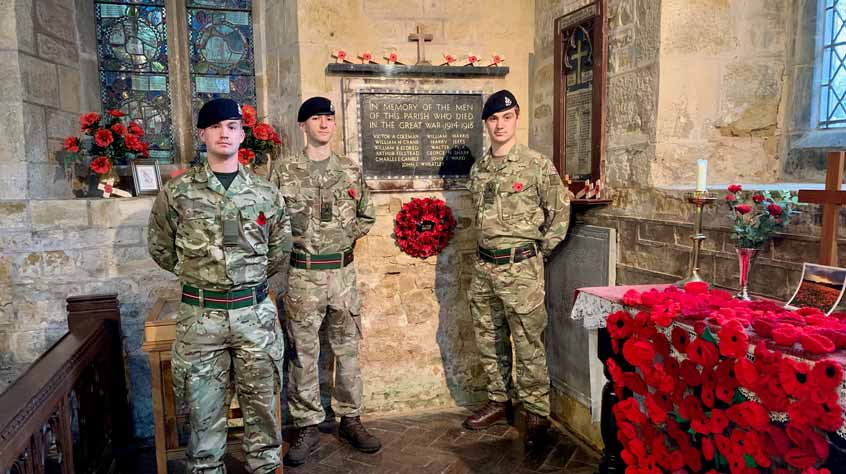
(216, 111)
(497, 102)
(315, 106)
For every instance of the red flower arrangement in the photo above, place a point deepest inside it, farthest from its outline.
(752, 229)
(683, 392)
(424, 227)
(105, 141)
(261, 141)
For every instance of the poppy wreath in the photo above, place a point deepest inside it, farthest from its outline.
(424, 227)
(716, 394)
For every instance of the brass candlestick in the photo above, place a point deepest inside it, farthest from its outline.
(700, 199)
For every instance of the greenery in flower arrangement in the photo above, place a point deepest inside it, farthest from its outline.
(755, 222)
(261, 142)
(105, 140)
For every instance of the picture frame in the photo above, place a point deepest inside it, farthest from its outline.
(146, 176)
(821, 287)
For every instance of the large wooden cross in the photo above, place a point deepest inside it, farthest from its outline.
(831, 199)
(421, 39)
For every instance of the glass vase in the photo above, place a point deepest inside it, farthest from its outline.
(745, 259)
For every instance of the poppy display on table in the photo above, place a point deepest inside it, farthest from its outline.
(708, 383)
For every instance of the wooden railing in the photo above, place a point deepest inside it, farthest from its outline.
(68, 412)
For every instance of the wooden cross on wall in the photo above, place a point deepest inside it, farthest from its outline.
(421, 39)
(831, 199)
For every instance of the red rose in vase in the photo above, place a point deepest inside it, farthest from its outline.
(249, 115)
(71, 144)
(263, 131)
(88, 120)
(118, 129)
(245, 156)
(136, 129)
(103, 138)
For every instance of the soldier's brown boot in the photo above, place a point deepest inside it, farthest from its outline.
(352, 431)
(490, 414)
(305, 442)
(536, 430)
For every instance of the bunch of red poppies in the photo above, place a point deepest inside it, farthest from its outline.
(424, 227)
(110, 140)
(697, 401)
(260, 139)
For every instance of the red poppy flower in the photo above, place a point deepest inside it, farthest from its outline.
(248, 115)
(71, 144)
(680, 338)
(619, 324)
(632, 298)
(615, 371)
(708, 448)
(628, 410)
(517, 187)
(725, 373)
(731, 197)
(696, 287)
(723, 444)
(826, 375)
(793, 375)
(656, 413)
(764, 327)
(772, 393)
(816, 344)
(103, 138)
(749, 414)
(735, 188)
(746, 373)
(133, 143)
(718, 421)
(100, 165)
(774, 209)
(690, 373)
(634, 383)
(118, 129)
(662, 347)
(261, 219)
(733, 340)
(115, 113)
(693, 459)
(352, 192)
(136, 129)
(638, 353)
(246, 156)
(672, 367)
(743, 209)
(263, 131)
(691, 408)
(786, 334)
(88, 120)
(707, 394)
(702, 352)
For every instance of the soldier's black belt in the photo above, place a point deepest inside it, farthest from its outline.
(326, 261)
(224, 300)
(512, 255)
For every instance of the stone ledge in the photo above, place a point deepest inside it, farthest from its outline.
(393, 70)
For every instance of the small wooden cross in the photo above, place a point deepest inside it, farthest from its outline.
(421, 39)
(108, 189)
(831, 199)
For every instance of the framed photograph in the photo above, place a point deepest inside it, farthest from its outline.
(146, 176)
(821, 287)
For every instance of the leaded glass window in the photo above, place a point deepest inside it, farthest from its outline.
(132, 49)
(220, 43)
(832, 105)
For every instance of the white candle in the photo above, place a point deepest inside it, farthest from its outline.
(701, 172)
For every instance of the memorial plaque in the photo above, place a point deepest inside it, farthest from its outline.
(431, 134)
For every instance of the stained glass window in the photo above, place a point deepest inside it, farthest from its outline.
(220, 43)
(132, 49)
(832, 106)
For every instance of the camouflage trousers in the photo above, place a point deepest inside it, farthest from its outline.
(315, 295)
(507, 305)
(215, 346)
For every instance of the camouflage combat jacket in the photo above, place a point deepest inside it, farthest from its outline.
(329, 212)
(519, 199)
(186, 233)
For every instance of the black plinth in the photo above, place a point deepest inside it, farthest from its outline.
(388, 70)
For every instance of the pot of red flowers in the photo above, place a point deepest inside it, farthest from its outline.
(755, 223)
(106, 139)
(261, 143)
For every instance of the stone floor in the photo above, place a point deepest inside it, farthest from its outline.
(428, 442)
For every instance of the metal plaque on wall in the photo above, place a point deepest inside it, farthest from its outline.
(431, 134)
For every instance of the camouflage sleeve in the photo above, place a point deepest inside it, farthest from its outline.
(365, 212)
(279, 241)
(161, 233)
(555, 202)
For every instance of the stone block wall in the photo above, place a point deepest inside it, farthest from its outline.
(52, 249)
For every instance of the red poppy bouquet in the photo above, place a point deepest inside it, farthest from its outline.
(261, 139)
(755, 223)
(105, 140)
(424, 227)
(702, 388)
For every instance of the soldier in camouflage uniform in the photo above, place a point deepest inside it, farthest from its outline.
(330, 209)
(522, 213)
(223, 231)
